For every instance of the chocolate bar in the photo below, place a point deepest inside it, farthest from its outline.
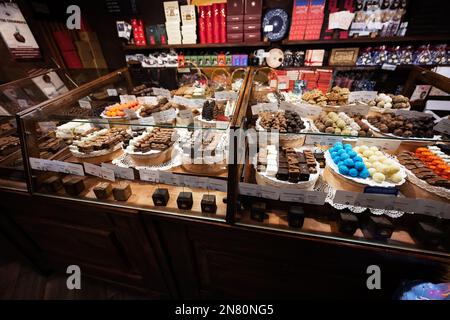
(208, 203)
(122, 192)
(160, 197)
(184, 201)
(52, 184)
(74, 186)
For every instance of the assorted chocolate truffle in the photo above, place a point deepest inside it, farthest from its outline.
(400, 126)
(285, 122)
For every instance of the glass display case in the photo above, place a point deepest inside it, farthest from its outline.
(19, 97)
(128, 142)
(358, 167)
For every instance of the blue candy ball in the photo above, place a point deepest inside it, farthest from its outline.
(344, 156)
(341, 151)
(343, 170)
(364, 174)
(360, 166)
(348, 146)
(340, 163)
(349, 163)
(353, 172)
(333, 154)
(357, 159)
(351, 154)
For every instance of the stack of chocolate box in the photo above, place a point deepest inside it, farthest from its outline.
(172, 14)
(189, 27)
(235, 21)
(299, 18)
(307, 19)
(252, 20)
(138, 32)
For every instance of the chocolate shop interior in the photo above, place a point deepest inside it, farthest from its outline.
(227, 149)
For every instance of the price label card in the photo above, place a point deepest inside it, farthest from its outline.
(108, 174)
(217, 184)
(260, 107)
(249, 189)
(164, 116)
(184, 101)
(268, 28)
(127, 98)
(67, 167)
(443, 126)
(40, 164)
(161, 92)
(22, 103)
(359, 109)
(303, 109)
(377, 201)
(185, 114)
(170, 178)
(226, 95)
(112, 92)
(292, 195)
(85, 104)
(429, 207)
(322, 140)
(149, 175)
(362, 96)
(47, 127)
(147, 100)
(92, 169)
(315, 197)
(268, 192)
(389, 67)
(386, 144)
(404, 204)
(149, 121)
(345, 197)
(196, 182)
(119, 172)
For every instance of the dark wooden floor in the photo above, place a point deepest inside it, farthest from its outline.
(20, 281)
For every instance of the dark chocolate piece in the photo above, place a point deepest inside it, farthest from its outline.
(52, 184)
(282, 174)
(74, 186)
(208, 203)
(184, 201)
(428, 234)
(122, 192)
(347, 223)
(258, 211)
(296, 216)
(160, 197)
(103, 190)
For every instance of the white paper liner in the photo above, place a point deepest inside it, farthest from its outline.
(440, 191)
(368, 181)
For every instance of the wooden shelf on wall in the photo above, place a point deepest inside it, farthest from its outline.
(216, 46)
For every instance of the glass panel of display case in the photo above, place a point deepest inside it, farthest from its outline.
(129, 144)
(19, 97)
(319, 165)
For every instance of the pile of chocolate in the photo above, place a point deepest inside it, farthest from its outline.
(162, 105)
(103, 141)
(337, 96)
(415, 165)
(213, 110)
(51, 146)
(401, 126)
(8, 145)
(285, 122)
(159, 139)
(295, 166)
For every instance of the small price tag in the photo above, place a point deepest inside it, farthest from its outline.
(322, 140)
(403, 204)
(370, 200)
(268, 28)
(261, 107)
(389, 67)
(164, 116)
(362, 96)
(92, 169)
(149, 175)
(217, 184)
(268, 192)
(40, 164)
(226, 95)
(161, 92)
(108, 174)
(22, 103)
(358, 109)
(112, 92)
(292, 195)
(185, 114)
(443, 126)
(85, 104)
(127, 98)
(119, 172)
(315, 197)
(170, 178)
(249, 189)
(149, 121)
(429, 207)
(67, 167)
(147, 100)
(385, 144)
(196, 182)
(345, 197)
(184, 101)
(303, 109)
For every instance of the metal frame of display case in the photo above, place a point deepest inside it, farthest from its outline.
(326, 211)
(85, 90)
